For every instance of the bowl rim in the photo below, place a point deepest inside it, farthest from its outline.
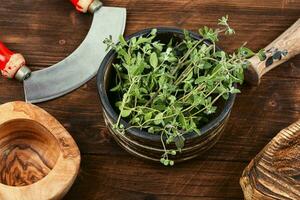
(109, 110)
(69, 154)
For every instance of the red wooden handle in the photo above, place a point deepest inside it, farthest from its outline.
(86, 5)
(82, 5)
(5, 55)
(10, 62)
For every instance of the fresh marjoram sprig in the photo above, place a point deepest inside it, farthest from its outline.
(172, 89)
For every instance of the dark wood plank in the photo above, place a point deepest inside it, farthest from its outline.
(133, 179)
(47, 31)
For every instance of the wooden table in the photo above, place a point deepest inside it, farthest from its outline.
(47, 31)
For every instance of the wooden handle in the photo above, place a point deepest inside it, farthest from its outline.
(12, 65)
(286, 46)
(87, 5)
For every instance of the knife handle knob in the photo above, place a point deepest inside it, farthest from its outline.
(283, 48)
(87, 5)
(12, 65)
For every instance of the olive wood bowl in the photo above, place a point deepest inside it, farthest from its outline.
(39, 158)
(141, 143)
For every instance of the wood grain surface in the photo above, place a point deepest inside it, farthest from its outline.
(47, 31)
(39, 158)
(274, 172)
(283, 48)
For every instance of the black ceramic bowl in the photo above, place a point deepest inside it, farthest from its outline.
(143, 144)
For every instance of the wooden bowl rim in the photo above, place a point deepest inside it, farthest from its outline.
(144, 134)
(68, 160)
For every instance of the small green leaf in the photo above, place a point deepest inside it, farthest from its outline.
(151, 130)
(222, 89)
(209, 34)
(135, 119)
(118, 104)
(179, 142)
(201, 79)
(158, 46)
(153, 60)
(235, 91)
(198, 100)
(142, 40)
(133, 40)
(144, 90)
(170, 44)
(262, 55)
(123, 54)
(190, 76)
(172, 99)
(122, 40)
(125, 113)
(159, 106)
(207, 65)
(182, 121)
(153, 32)
(158, 119)
(247, 53)
(116, 88)
(240, 76)
(148, 116)
(217, 68)
(187, 86)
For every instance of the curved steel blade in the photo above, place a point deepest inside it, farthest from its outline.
(82, 64)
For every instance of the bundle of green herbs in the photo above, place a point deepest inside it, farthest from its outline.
(172, 89)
